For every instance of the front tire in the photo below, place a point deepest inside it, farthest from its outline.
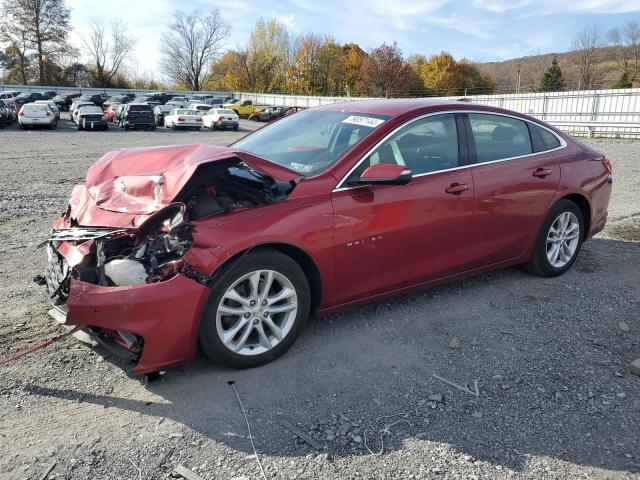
(559, 241)
(255, 310)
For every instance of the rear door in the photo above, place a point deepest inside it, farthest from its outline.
(389, 237)
(513, 183)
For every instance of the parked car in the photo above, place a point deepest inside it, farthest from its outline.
(200, 108)
(220, 118)
(183, 118)
(27, 97)
(37, 115)
(213, 246)
(159, 112)
(159, 98)
(178, 102)
(91, 117)
(52, 105)
(9, 94)
(6, 116)
(244, 108)
(115, 99)
(137, 115)
(200, 97)
(75, 106)
(97, 99)
(48, 94)
(11, 105)
(260, 115)
(63, 102)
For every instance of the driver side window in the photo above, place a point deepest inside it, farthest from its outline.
(426, 145)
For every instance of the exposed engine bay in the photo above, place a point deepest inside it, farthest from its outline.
(152, 253)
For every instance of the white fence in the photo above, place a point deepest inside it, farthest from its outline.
(607, 113)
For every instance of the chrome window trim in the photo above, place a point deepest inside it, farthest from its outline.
(339, 187)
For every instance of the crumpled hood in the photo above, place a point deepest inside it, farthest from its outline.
(141, 181)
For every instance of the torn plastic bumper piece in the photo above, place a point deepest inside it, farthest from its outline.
(165, 314)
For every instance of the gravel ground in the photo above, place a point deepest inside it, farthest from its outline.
(550, 357)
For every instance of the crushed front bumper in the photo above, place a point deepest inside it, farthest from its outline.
(165, 314)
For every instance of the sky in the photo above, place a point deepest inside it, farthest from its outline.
(479, 30)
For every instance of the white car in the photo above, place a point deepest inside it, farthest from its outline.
(182, 118)
(73, 111)
(52, 105)
(36, 114)
(178, 102)
(220, 118)
(199, 108)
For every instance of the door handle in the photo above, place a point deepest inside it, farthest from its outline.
(542, 172)
(457, 188)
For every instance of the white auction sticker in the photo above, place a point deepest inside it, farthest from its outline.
(363, 121)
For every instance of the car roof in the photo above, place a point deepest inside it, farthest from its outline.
(391, 107)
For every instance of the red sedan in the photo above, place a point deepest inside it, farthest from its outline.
(232, 249)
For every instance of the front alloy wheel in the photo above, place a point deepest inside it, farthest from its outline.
(255, 310)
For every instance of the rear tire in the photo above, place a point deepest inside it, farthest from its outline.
(557, 245)
(259, 326)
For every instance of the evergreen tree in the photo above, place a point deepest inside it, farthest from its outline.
(623, 82)
(552, 80)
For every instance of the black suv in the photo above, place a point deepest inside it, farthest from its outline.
(137, 115)
(27, 97)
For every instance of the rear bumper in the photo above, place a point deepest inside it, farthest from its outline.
(165, 314)
(227, 124)
(95, 125)
(37, 121)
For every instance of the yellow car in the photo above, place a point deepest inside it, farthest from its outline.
(243, 108)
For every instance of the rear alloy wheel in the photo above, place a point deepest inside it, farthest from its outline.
(559, 241)
(256, 312)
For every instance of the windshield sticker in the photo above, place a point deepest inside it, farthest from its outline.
(363, 121)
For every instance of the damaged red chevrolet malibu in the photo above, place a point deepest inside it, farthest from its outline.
(231, 249)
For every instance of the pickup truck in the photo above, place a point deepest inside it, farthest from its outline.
(243, 108)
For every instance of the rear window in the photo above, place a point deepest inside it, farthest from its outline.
(497, 137)
(224, 111)
(35, 107)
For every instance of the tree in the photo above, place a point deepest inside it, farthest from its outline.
(585, 44)
(353, 58)
(266, 55)
(107, 52)
(442, 75)
(17, 61)
(384, 72)
(552, 80)
(44, 24)
(190, 45)
(626, 41)
(623, 81)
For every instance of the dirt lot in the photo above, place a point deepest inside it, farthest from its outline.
(550, 357)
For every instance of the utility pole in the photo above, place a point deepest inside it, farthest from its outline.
(518, 82)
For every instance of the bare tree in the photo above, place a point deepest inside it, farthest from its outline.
(107, 52)
(191, 44)
(626, 41)
(585, 44)
(44, 23)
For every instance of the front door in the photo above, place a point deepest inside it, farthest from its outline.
(389, 237)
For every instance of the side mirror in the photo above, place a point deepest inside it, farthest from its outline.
(386, 174)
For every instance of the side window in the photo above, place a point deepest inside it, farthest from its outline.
(550, 140)
(426, 145)
(497, 137)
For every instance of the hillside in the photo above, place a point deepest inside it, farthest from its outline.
(531, 69)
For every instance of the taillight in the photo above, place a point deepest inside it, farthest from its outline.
(181, 119)
(198, 119)
(104, 118)
(21, 114)
(48, 114)
(607, 164)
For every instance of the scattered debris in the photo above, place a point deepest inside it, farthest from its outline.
(186, 473)
(163, 458)
(634, 367)
(437, 397)
(45, 475)
(231, 383)
(296, 431)
(475, 393)
(137, 468)
(454, 343)
(476, 414)
(623, 326)
(38, 346)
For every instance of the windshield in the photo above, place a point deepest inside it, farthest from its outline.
(310, 141)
